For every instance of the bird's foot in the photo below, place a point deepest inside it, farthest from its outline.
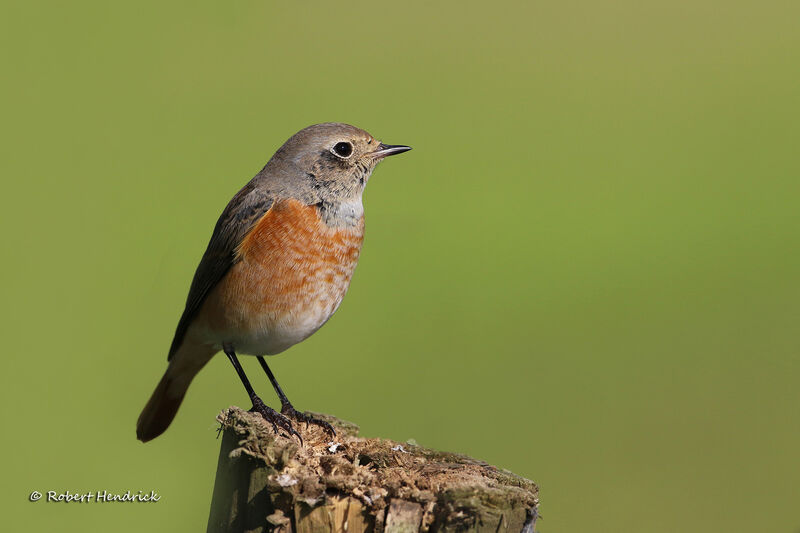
(291, 412)
(274, 417)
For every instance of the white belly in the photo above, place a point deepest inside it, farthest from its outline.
(274, 335)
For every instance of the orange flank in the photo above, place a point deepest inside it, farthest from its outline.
(292, 272)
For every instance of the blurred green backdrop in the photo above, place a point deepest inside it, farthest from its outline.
(587, 271)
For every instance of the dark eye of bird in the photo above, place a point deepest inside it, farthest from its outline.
(343, 149)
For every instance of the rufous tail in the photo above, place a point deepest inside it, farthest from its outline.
(160, 410)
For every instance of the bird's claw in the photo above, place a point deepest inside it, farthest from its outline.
(275, 418)
(290, 411)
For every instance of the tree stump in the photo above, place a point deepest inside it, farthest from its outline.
(268, 482)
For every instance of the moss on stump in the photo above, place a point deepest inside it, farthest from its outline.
(268, 482)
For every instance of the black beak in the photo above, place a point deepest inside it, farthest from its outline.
(385, 150)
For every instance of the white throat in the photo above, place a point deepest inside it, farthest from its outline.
(343, 214)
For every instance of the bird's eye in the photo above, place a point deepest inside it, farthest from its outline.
(342, 149)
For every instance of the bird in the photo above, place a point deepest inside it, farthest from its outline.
(277, 266)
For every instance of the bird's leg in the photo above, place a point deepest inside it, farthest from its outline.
(269, 414)
(286, 406)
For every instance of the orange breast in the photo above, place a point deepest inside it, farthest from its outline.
(292, 274)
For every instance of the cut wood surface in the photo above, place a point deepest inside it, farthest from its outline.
(268, 482)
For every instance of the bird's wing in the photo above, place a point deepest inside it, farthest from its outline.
(244, 210)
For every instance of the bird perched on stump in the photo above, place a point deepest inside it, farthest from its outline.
(276, 268)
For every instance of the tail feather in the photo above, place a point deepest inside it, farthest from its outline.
(166, 399)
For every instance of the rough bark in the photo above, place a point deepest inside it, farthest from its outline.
(270, 483)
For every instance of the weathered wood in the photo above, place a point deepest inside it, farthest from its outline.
(403, 517)
(270, 483)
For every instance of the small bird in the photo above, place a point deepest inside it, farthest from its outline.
(277, 266)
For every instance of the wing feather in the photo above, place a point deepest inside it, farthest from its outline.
(236, 221)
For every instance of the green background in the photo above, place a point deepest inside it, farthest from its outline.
(587, 271)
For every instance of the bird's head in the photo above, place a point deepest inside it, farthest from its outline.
(334, 159)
